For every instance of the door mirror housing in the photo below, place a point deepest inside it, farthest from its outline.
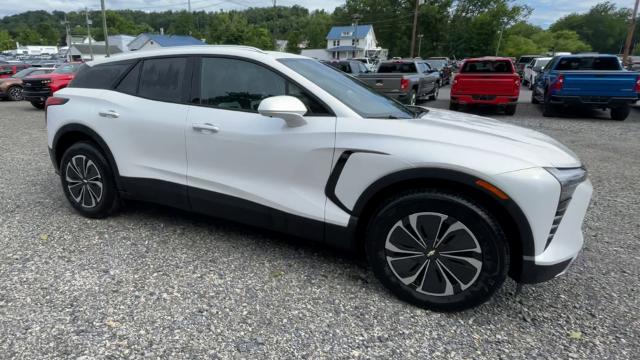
(288, 108)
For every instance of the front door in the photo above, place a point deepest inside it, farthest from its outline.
(249, 167)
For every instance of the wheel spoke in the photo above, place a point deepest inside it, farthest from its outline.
(407, 268)
(463, 270)
(427, 226)
(401, 240)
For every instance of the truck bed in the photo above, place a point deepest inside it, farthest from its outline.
(603, 83)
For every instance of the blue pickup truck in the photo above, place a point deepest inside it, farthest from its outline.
(598, 81)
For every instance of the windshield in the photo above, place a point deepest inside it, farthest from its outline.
(67, 69)
(352, 92)
(22, 73)
(542, 63)
(437, 64)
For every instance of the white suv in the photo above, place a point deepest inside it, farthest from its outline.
(444, 204)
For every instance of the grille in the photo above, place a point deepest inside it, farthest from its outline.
(33, 84)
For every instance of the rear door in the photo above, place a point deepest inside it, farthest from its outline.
(253, 168)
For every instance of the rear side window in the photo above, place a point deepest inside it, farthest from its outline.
(498, 67)
(398, 67)
(129, 84)
(162, 79)
(99, 76)
(241, 85)
(589, 63)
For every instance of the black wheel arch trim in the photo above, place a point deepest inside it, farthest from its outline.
(93, 136)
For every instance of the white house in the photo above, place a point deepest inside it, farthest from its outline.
(345, 42)
(83, 51)
(36, 50)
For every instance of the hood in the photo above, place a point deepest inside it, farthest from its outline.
(51, 76)
(489, 135)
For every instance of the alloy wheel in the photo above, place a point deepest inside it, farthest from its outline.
(84, 181)
(15, 93)
(434, 254)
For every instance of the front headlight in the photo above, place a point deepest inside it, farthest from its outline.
(46, 81)
(569, 179)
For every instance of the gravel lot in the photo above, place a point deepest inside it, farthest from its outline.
(159, 283)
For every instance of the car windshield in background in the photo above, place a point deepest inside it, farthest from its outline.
(489, 66)
(353, 93)
(397, 67)
(437, 64)
(22, 73)
(67, 69)
(542, 63)
(525, 59)
(342, 66)
(589, 63)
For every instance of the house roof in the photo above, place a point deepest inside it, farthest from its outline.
(344, 48)
(336, 32)
(98, 49)
(174, 40)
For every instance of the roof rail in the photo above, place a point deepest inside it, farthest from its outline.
(244, 47)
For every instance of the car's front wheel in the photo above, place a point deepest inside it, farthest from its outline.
(437, 250)
(87, 181)
(38, 105)
(15, 93)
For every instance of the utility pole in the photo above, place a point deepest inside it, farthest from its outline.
(499, 40)
(68, 38)
(275, 25)
(104, 29)
(420, 36)
(632, 29)
(355, 18)
(89, 23)
(189, 6)
(415, 26)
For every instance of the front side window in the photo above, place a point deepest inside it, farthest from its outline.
(161, 79)
(234, 84)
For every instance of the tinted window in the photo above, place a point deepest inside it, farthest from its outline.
(99, 76)
(525, 59)
(129, 84)
(350, 91)
(397, 67)
(162, 79)
(242, 85)
(589, 63)
(502, 66)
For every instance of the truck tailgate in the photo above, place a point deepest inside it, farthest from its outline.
(599, 83)
(382, 82)
(486, 84)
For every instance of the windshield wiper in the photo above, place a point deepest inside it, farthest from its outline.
(417, 110)
(384, 117)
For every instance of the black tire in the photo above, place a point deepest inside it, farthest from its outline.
(548, 109)
(454, 106)
(480, 276)
(14, 93)
(434, 95)
(38, 105)
(620, 113)
(510, 110)
(534, 100)
(83, 170)
(413, 97)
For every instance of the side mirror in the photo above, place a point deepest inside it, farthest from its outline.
(288, 108)
(537, 68)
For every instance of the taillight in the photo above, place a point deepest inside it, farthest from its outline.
(559, 83)
(637, 88)
(51, 101)
(404, 84)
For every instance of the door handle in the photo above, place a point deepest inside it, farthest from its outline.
(109, 114)
(206, 128)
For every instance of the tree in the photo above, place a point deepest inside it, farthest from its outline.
(563, 40)
(293, 42)
(517, 45)
(6, 42)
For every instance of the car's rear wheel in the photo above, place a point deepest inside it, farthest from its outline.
(510, 110)
(434, 95)
(454, 106)
(534, 99)
(412, 97)
(87, 181)
(437, 250)
(38, 105)
(548, 109)
(620, 113)
(15, 93)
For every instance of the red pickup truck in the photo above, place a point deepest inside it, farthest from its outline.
(488, 80)
(36, 89)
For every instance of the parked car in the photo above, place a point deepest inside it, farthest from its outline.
(11, 87)
(488, 80)
(444, 204)
(8, 70)
(532, 69)
(351, 67)
(369, 63)
(408, 81)
(523, 61)
(598, 81)
(40, 87)
(443, 68)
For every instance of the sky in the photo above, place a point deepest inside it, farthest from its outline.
(544, 14)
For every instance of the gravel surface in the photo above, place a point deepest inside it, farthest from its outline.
(153, 282)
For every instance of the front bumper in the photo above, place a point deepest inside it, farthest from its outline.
(484, 99)
(36, 95)
(566, 244)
